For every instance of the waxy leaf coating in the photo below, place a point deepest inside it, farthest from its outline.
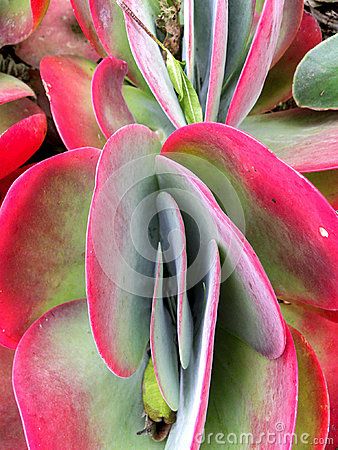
(43, 222)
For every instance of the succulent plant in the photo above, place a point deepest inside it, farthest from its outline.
(178, 288)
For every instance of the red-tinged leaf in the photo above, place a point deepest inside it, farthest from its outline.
(110, 28)
(195, 381)
(257, 63)
(11, 431)
(19, 18)
(163, 339)
(278, 84)
(12, 88)
(23, 128)
(217, 61)
(248, 306)
(326, 182)
(67, 81)
(313, 414)
(253, 400)
(85, 20)
(58, 34)
(7, 182)
(172, 234)
(322, 334)
(296, 243)
(292, 17)
(120, 260)
(149, 58)
(188, 42)
(66, 395)
(109, 105)
(304, 139)
(43, 222)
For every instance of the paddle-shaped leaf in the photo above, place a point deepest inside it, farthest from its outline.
(316, 78)
(217, 59)
(322, 334)
(251, 396)
(67, 80)
(83, 16)
(297, 245)
(297, 135)
(12, 88)
(67, 396)
(43, 229)
(23, 127)
(11, 432)
(278, 84)
(163, 339)
(19, 18)
(149, 58)
(58, 34)
(257, 63)
(172, 233)
(121, 248)
(195, 381)
(248, 305)
(313, 414)
(110, 108)
(110, 28)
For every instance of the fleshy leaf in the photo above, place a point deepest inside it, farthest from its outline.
(43, 223)
(326, 182)
(217, 58)
(316, 78)
(251, 395)
(172, 233)
(12, 88)
(186, 93)
(278, 84)
(109, 105)
(256, 66)
(121, 255)
(292, 17)
(67, 80)
(195, 381)
(188, 40)
(249, 308)
(163, 342)
(297, 135)
(23, 127)
(67, 396)
(110, 27)
(297, 244)
(19, 18)
(313, 415)
(322, 334)
(58, 34)
(149, 58)
(146, 110)
(11, 432)
(83, 15)
(241, 15)
(5, 183)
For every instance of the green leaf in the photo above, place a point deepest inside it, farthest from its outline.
(154, 404)
(175, 73)
(187, 95)
(315, 83)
